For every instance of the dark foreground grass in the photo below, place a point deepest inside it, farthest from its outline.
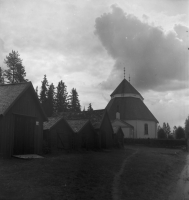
(151, 174)
(85, 175)
(89, 175)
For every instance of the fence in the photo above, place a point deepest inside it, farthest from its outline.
(157, 142)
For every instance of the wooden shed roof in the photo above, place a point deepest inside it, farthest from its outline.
(52, 121)
(77, 125)
(10, 94)
(95, 116)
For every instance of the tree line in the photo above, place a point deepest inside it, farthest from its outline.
(53, 99)
(56, 99)
(179, 132)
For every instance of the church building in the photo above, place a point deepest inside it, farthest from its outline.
(127, 105)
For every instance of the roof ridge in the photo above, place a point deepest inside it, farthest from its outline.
(7, 84)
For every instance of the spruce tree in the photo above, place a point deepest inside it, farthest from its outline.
(90, 107)
(43, 94)
(50, 100)
(74, 104)
(61, 104)
(16, 71)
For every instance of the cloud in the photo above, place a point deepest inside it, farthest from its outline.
(155, 59)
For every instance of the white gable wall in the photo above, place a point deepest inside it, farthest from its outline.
(139, 131)
(127, 130)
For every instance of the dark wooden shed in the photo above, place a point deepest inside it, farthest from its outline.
(85, 133)
(58, 134)
(21, 120)
(100, 122)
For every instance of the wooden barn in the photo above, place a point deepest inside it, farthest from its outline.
(21, 120)
(57, 134)
(101, 123)
(85, 133)
(118, 137)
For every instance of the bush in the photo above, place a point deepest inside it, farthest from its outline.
(162, 134)
(170, 137)
(180, 134)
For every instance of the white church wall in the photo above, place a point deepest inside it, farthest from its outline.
(139, 130)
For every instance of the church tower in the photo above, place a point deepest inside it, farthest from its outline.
(127, 103)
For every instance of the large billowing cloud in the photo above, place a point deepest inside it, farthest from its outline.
(155, 59)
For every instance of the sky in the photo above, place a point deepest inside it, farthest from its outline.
(88, 43)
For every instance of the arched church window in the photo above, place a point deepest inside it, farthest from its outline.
(146, 129)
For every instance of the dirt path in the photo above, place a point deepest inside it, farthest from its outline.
(115, 187)
(182, 187)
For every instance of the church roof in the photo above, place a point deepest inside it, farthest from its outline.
(125, 88)
(129, 109)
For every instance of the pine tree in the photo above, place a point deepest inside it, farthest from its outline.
(43, 94)
(50, 100)
(74, 104)
(84, 109)
(90, 107)
(166, 129)
(16, 71)
(1, 76)
(61, 97)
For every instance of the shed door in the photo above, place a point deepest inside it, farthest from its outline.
(24, 134)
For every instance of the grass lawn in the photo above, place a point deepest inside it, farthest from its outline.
(151, 174)
(90, 175)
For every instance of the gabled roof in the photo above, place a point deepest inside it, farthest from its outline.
(125, 88)
(129, 109)
(124, 124)
(52, 121)
(95, 116)
(77, 125)
(10, 93)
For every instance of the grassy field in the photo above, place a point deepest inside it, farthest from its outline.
(85, 175)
